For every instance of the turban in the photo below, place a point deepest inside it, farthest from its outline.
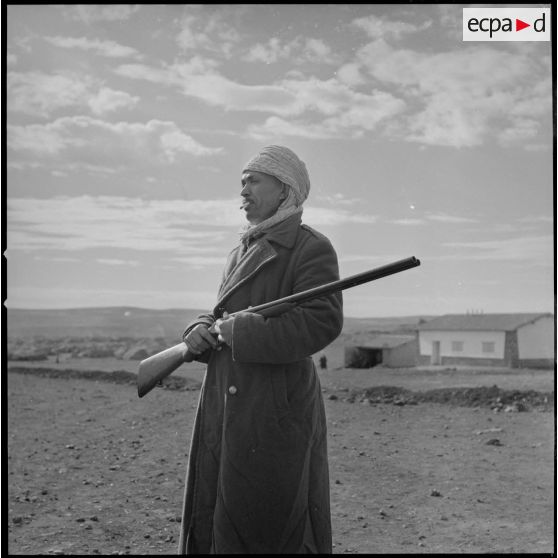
(283, 164)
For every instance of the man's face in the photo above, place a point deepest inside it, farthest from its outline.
(261, 195)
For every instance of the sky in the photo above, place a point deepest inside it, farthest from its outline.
(127, 127)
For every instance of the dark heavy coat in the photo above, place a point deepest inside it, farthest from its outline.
(257, 479)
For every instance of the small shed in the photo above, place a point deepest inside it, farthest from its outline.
(512, 340)
(393, 351)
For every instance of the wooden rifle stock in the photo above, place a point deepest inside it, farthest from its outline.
(156, 367)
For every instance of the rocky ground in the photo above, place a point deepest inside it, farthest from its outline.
(426, 465)
(40, 348)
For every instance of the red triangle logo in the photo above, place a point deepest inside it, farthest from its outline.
(519, 25)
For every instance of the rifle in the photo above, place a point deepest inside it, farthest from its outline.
(158, 366)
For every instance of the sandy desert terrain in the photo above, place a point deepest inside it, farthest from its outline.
(93, 469)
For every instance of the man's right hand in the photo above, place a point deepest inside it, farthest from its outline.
(200, 339)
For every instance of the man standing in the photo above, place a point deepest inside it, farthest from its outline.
(258, 479)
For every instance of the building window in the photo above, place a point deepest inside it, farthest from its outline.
(457, 346)
(488, 346)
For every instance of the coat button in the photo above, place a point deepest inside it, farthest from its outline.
(232, 390)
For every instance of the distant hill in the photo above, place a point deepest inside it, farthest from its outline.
(121, 321)
(396, 324)
(124, 321)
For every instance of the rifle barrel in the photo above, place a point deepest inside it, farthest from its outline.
(156, 367)
(341, 284)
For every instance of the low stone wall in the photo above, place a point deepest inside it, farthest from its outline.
(425, 360)
(543, 363)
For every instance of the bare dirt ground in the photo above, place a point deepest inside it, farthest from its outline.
(93, 469)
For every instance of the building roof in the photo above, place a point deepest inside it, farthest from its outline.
(480, 322)
(385, 341)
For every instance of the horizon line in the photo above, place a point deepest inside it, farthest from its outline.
(473, 311)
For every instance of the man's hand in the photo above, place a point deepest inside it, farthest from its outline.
(224, 329)
(200, 339)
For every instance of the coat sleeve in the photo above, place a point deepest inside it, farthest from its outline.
(208, 320)
(302, 331)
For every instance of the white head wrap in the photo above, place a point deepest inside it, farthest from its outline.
(283, 164)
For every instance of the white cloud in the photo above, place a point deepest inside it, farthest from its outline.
(366, 111)
(279, 127)
(451, 19)
(41, 139)
(210, 32)
(109, 100)
(112, 145)
(462, 97)
(330, 97)
(117, 262)
(40, 94)
(350, 74)
(380, 27)
(221, 91)
(297, 51)
(23, 43)
(164, 76)
(85, 167)
(110, 49)
(409, 222)
(174, 142)
(536, 249)
(198, 79)
(186, 228)
(321, 216)
(520, 130)
(340, 199)
(190, 39)
(317, 50)
(183, 227)
(270, 52)
(348, 113)
(92, 13)
(452, 219)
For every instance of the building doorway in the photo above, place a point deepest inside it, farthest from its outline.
(435, 358)
(362, 357)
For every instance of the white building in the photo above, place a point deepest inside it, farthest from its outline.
(394, 351)
(513, 340)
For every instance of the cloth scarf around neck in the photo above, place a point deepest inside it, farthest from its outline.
(286, 209)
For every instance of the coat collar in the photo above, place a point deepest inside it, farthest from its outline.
(260, 252)
(284, 233)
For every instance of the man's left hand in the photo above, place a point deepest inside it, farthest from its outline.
(224, 329)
